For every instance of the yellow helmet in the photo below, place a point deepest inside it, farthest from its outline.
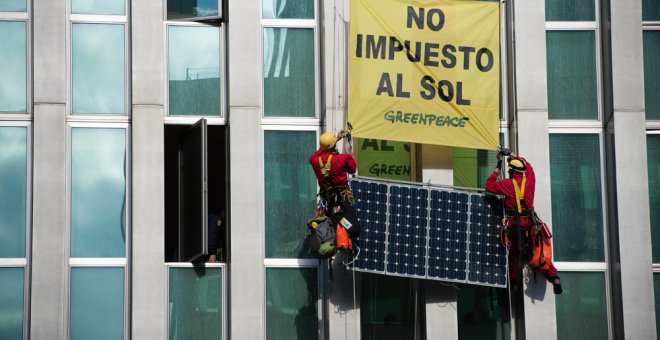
(517, 165)
(328, 141)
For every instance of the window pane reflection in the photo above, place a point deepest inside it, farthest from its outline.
(11, 303)
(288, 9)
(653, 154)
(178, 9)
(194, 71)
(13, 179)
(577, 213)
(13, 6)
(652, 73)
(291, 304)
(572, 75)
(195, 303)
(98, 193)
(98, 69)
(289, 72)
(290, 182)
(582, 307)
(97, 304)
(101, 7)
(13, 66)
(570, 10)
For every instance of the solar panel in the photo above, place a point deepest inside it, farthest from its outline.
(428, 232)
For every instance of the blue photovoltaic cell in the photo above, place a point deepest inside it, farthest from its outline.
(371, 209)
(448, 235)
(422, 231)
(408, 219)
(487, 257)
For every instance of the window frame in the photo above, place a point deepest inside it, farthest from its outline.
(124, 20)
(224, 292)
(293, 23)
(24, 262)
(222, 119)
(26, 18)
(593, 26)
(605, 266)
(76, 262)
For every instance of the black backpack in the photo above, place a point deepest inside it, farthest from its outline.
(347, 218)
(321, 239)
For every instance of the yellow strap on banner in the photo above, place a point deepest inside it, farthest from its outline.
(520, 192)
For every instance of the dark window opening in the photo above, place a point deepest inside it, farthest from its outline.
(196, 192)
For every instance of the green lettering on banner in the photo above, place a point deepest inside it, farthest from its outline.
(384, 159)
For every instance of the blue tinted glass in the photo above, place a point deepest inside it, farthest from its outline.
(653, 161)
(13, 66)
(651, 10)
(11, 303)
(656, 291)
(288, 9)
(13, 6)
(582, 307)
(98, 69)
(290, 191)
(112, 7)
(570, 10)
(289, 72)
(98, 192)
(13, 181)
(291, 304)
(97, 304)
(178, 9)
(194, 70)
(195, 303)
(576, 197)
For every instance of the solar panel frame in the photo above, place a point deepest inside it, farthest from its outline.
(480, 260)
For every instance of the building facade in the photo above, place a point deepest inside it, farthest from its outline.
(108, 107)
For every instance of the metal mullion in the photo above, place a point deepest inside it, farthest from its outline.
(312, 121)
(571, 25)
(290, 263)
(94, 18)
(289, 23)
(15, 15)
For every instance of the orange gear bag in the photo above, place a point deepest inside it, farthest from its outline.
(343, 240)
(542, 250)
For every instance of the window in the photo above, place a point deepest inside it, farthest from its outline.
(195, 302)
(653, 154)
(289, 38)
(14, 242)
(387, 307)
(582, 307)
(13, 6)
(572, 59)
(651, 23)
(13, 66)
(99, 228)
(194, 70)
(577, 212)
(194, 10)
(98, 75)
(98, 7)
(292, 303)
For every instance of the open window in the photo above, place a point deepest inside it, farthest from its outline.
(195, 192)
(206, 11)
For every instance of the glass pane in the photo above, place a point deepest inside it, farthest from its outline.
(582, 307)
(179, 9)
(570, 10)
(387, 308)
(194, 70)
(97, 304)
(291, 304)
(98, 192)
(290, 191)
(653, 154)
(11, 303)
(651, 11)
(577, 214)
(13, 6)
(98, 69)
(289, 72)
(656, 291)
(13, 66)
(652, 73)
(288, 9)
(572, 75)
(195, 303)
(483, 313)
(13, 181)
(111, 7)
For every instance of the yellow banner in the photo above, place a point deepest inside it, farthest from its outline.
(426, 71)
